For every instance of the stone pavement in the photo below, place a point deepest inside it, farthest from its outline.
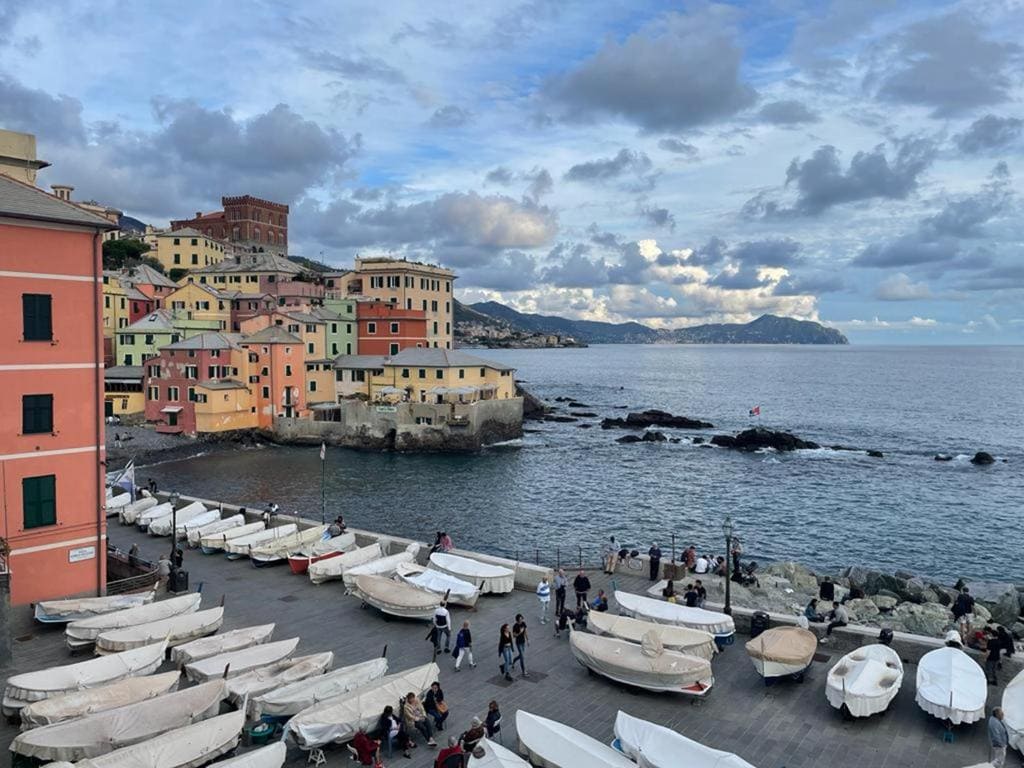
(784, 726)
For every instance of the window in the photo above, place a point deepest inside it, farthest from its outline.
(405, 373)
(177, 241)
(36, 414)
(287, 370)
(433, 306)
(424, 305)
(214, 353)
(435, 327)
(106, 302)
(154, 371)
(482, 373)
(172, 393)
(149, 338)
(195, 241)
(153, 393)
(393, 350)
(211, 371)
(195, 258)
(422, 373)
(394, 327)
(439, 373)
(310, 328)
(312, 385)
(424, 420)
(447, 327)
(348, 327)
(447, 306)
(348, 349)
(266, 392)
(371, 327)
(310, 348)
(177, 258)
(192, 395)
(462, 373)
(191, 371)
(408, 303)
(126, 338)
(129, 360)
(265, 371)
(334, 348)
(39, 501)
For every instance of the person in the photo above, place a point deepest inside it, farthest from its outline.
(493, 720)
(600, 603)
(133, 555)
(963, 606)
(721, 567)
(544, 596)
(337, 527)
(998, 738)
(827, 590)
(436, 546)
(654, 553)
(505, 650)
(464, 646)
(1005, 640)
(435, 705)
(993, 649)
(367, 749)
(561, 582)
(580, 619)
(163, 570)
(179, 557)
(521, 638)
(701, 565)
(443, 622)
(117, 439)
(562, 622)
(690, 597)
(453, 748)
(447, 545)
(611, 552)
(702, 593)
(840, 618)
(392, 731)
(152, 486)
(669, 591)
(415, 717)
(434, 636)
(471, 737)
(582, 585)
(690, 557)
(737, 553)
(811, 611)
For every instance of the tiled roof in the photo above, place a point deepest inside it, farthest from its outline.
(183, 232)
(273, 334)
(23, 201)
(123, 372)
(305, 317)
(207, 340)
(135, 294)
(222, 384)
(359, 362)
(252, 262)
(156, 321)
(143, 273)
(325, 314)
(432, 357)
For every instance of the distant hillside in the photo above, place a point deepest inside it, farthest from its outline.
(131, 224)
(767, 329)
(312, 264)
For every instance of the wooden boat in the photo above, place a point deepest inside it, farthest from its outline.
(694, 642)
(209, 517)
(951, 686)
(384, 566)
(655, 746)
(278, 550)
(80, 634)
(645, 665)
(176, 629)
(865, 681)
(335, 567)
(260, 681)
(782, 652)
(662, 612)
(495, 756)
(215, 542)
(195, 534)
(336, 546)
(488, 578)
(1013, 711)
(237, 663)
(89, 701)
(240, 547)
(553, 745)
(456, 591)
(144, 518)
(396, 598)
(194, 511)
(291, 699)
(66, 611)
(226, 642)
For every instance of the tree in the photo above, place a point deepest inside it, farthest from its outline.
(127, 253)
(177, 273)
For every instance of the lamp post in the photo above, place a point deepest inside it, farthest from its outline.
(727, 531)
(174, 522)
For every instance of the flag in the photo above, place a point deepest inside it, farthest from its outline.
(127, 479)
(755, 411)
(323, 451)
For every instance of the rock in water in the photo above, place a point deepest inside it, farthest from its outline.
(655, 418)
(943, 457)
(983, 458)
(654, 437)
(629, 439)
(760, 437)
(999, 598)
(876, 454)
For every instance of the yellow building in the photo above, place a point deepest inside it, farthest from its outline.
(224, 405)
(199, 304)
(186, 249)
(250, 273)
(116, 314)
(18, 156)
(408, 284)
(123, 395)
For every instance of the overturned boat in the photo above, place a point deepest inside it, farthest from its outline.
(494, 756)
(77, 704)
(210, 517)
(144, 518)
(66, 611)
(241, 546)
(215, 542)
(238, 663)
(554, 745)
(291, 699)
(384, 566)
(661, 612)
(645, 665)
(176, 629)
(335, 546)
(128, 514)
(865, 681)
(104, 732)
(396, 598)
(278, 550)
(264, 679)
(335, 567)
(783, 652)
(455, 590)
(655, 746)
(80, 634)
(694, 642)
(195, 534)
(235, 640)
(489, 579)
(270, 756)
(194, 511)
(951, 686)
(339, 718)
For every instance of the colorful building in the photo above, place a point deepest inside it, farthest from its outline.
(387, 329)
(52, 519)
(148, 281)
(247, 305)
(195, 307)
(248, 273)
(188, 249)
(145, 338)
(342, 333)
(139, 304)
(277, 371)
(245, 221)
(116, 314)
(123, 394)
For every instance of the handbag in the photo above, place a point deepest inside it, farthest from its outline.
(441, 707)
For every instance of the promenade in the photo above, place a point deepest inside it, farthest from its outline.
(783, 726)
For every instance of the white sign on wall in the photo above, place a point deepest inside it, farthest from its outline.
(82, 553)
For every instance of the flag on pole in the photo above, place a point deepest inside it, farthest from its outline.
(755, 411)
(323, 451)
(127, 479)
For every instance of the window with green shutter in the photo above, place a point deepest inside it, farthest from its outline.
(37, 316)
(36, 414)
(39, 500)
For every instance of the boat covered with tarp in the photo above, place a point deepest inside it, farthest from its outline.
(195, 534)
(264, 679)
(458, 592)
(270, 756)
(552, 744)
(176, 629)
(865, 681)
(1013, 711)
(663, 612)
(335, 546)
(215, 542)
(782, 652)
(278, 550)
(396, 598)
(197, 523)
(243, 545)
(494, 756)
(694, 642)
(237, 663)
(128, 514)
(335, 567)
(194, 511)
(235, 640)
(655, 746)
(79, 634)
(951, 686)
(489, 579)
(147, 516)
(646, 664)
(77, 704)
(384, 566)
(291, 699)
(77, 609)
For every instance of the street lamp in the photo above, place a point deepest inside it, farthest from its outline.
(173, 499)
(727, 531)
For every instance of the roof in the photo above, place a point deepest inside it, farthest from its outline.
(433, 357)
(23, 201)
(208, 288)
(183, 232)
(123, 372)
(305, 317)
(222, 384)
(252, 262)
(206, 340)
(325, 314)
(357, 362)
(273, 334)
(143, 273)
(135, 294)
(156, 321)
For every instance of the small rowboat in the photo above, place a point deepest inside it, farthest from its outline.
(336, 567)
(291, 699)
(194, 511)
(126, 515)
(270, 756)
(226, 642)
(79, 634)
(66, 611)
(495, 756)
(655, 746)
(782, 652)
(396, 598)
(645, 665)
(260, 681)
(144, 518)
(278, 550)
(1013, 711)
(215, 542)
(176, 629)
(490, 579)
(239, 662)
(195, 535)
(662, 612)
(694, 642)
(384, 566)
(89, 701)
(865, 681)
(951, 686)
(459, 592)
(300, 561)
(554, 745)
(209, 517)
(240, 547)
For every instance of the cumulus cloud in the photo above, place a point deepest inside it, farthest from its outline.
(899, 287)
(787, 113)
(659, 217)
(739, 278)
(767, 253)
(989, 133)
(679, 147)
(449, 117)
(810, 285)
(607, 169)
(58, 118)
(506, 271)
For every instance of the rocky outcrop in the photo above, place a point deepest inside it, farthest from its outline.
(533, 407)
(797, 575)
(560, 419)
(943, 457)
(648, 437)
(759, 437)
(983, 458)
(583, 414)
(655, 418)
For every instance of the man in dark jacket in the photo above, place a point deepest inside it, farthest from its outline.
(963, 605)
(654, 553)
(582, 585)
(827, 590)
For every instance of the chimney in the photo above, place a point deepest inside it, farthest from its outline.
(62, 192)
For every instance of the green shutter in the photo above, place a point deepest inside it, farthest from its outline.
(37, 320)
(36, 414)
(39, 500)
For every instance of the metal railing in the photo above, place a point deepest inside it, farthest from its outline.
(138, 582)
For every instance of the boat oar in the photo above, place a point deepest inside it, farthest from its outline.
(226, 668)
(384, 653)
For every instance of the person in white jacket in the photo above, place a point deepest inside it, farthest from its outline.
(544, 595)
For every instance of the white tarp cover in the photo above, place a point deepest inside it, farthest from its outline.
(345, 542)
(866, 680)
(292, 699)
(459, 592)
(88, 702)
(782, 651)
(646, 666)
(195, 535)
(550, 744)
(663, 612)
(243, 544)
(951, 686)
(117, 502)
(177, 630)
(270, 756)
(339, 718)
(35, 686)
(1013, 711)
(259, 681)
(384, 566)
(491, 579)
(694, 642)
(241, 661)
(127, 515)
(284, 546)
(335, 567)
(104, 732)
(144, 518)
(209, 517)
(83, 632)
(496, 756)
(218, 539)
(655, 746)
(395, 597)
(235, 640)
(187, 747)
(162, 525)
(55, 611)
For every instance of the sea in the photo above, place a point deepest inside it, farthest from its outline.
(558, 493)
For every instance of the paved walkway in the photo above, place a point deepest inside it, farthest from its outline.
(785, 726)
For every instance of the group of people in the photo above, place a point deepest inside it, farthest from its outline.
(694, 595)
(442, 543)
(694, 562)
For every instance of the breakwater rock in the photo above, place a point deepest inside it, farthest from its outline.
(653, 436)
(758, 438)
(655, 418)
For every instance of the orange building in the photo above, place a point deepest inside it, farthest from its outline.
(387, 329)
(52, 520)
(278, 372)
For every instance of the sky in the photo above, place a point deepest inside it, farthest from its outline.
(856, 162)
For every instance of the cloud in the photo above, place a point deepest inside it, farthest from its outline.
(964, 217)
(711, 253)
(575, 270)
(739, 278)
(507, 271)
(907, 251)
(659, 217)
(353, 67)
(876, 324)
(989, 133)
(625, 162)
(767, 253)
(675, 73)
(500, 175)
(810, 285)
(787, 112)
(679, 147)
(449, 117)
(899, 287)
(541, 183)
(57, 118)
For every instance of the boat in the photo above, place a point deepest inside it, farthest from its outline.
(235, 663)
(209, 517)
(783, 652)
(235, 640)
(951, 686)
(489, 579)
(162, 525)
(270, 756)
(694, 642)
(335, 546)
(339, 718)
(455, 590)
(260, 681)
(551, 744)
(76, 704)
(384, 566)
(114, 503)
(195, 534)
(66, 611)
(865, 681)
(127, 514)
(240, 547)
(662, 612)
(1013, 711)
(655, 746)
(278, 550)
(645, 665)
(103, 732)
(495, 756)
(176, 629)
(396, 598)
(188, 747)
(79, 634)
(291, 699)
(143, 519)
(335, 567)
(21, 690)
(215, 542)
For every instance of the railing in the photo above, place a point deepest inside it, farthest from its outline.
(137, 582)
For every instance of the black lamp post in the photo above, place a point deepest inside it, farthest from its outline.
(727, 531)
(174, 523)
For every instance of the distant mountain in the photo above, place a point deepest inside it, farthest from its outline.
(767, 329)
(312, 264)
(131, 224)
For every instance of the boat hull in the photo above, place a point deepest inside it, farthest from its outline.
(299, 564)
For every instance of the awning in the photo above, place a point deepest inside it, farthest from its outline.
(171, 409)
(392, 391)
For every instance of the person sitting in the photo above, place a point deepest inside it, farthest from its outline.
(690, 597)
(600, 603)
(473, 736)
(367, 749)
(562, 623)
(415, 717)
(435, 705)
(493, 720)
(840, 618)
(392, 732)
(337, 527)
(701, 565)
(811, 612)
(447, 545)
(721, 567)
(580, 619)
(451, 750)
(669, 592)
(436, 546)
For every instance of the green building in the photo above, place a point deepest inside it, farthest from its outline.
(342, 332)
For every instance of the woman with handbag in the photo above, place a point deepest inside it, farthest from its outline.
(435, 705)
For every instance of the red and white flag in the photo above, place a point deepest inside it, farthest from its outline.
(323, 451)
(755, 411)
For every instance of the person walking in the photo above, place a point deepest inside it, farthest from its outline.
(521, 639)
(544, 597)
(654, 553)
(561, 582)
(163, 570)
(464, 646)
(493, 720)
(998, 738)
(505, 650)
(582, 585)
(443, 622)
(434, 636)
(611, 552)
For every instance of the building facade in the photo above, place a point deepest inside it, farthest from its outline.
(188, 249)
(246, 221)
(387, 329)
(248, 273)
